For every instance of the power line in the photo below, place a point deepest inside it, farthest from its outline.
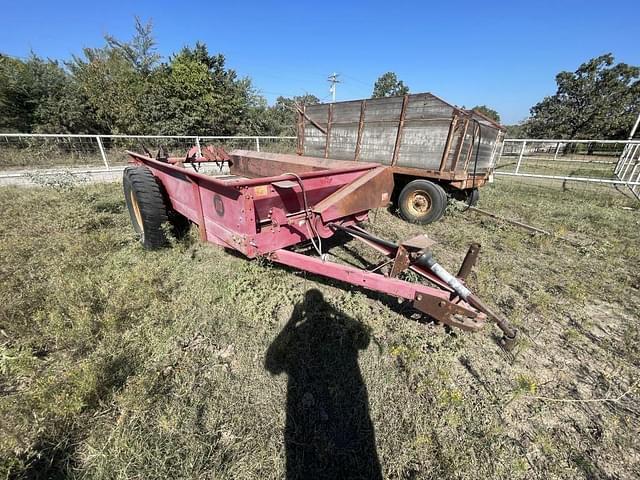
(367, 84)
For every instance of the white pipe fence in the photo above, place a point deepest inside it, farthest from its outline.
(608, 162)
(590, 161)
(31, 151)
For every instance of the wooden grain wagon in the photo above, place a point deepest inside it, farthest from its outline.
(436, 150)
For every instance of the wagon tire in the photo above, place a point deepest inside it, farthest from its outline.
(472, 197)
(422, 202)
(147, 206)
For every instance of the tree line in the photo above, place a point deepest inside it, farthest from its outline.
(124, 87)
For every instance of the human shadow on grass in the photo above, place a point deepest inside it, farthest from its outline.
(328, 431)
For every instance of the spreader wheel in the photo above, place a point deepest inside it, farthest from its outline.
(422, 201)
(146, 205)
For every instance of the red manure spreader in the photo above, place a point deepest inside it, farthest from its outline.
(266, 203)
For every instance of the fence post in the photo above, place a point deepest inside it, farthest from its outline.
(198, 146)
(634, 189)
(622, 158)
(524, 144)
(555, 156)
(257, 144)
(501, 152)
(632, 154)
(104, 155)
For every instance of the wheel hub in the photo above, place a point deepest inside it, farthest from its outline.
(420, 202)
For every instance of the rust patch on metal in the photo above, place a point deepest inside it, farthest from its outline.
(260, 191)
(447, 148)
(419, 242)
(449, 313)
(329, 120)
(215, 154)
(363, 194)
(363, 109)
(469, 261)
(401, 262)
(396, 148)
(476, 129)
(311, 121)
(456, 157)
(408, 251)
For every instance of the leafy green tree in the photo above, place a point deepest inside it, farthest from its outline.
(18, 94)
(488, 112)
(141, 50)
(601, 99)
(388, 85)
(122, 87)
(195, 94)
(282, 115)
(111, 86)
(39, 95)
(516, 130)
(118, 79)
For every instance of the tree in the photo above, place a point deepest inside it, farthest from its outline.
(122, 87)
(111, 86)
(39, 95)
(388, 85)
(488, 112)
(194, 94)
(281, 117)
(517, 130)
(601, 99)
(191, 94)
(140, 51)
(20, 92)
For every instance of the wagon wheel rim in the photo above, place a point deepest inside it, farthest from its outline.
(419, 202)
(136, 211)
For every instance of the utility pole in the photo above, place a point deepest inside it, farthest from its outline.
(333, 80)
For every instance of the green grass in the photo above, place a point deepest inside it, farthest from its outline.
(117, 362)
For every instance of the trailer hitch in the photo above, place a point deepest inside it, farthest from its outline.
(509, 333)
(415, 255)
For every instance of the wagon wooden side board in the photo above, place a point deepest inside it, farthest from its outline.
(269, 205)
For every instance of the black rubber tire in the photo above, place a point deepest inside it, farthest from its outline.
(147, 206)
(472, 197)
(464, 196)
(412, 199)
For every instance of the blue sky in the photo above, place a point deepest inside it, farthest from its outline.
(503, 54)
